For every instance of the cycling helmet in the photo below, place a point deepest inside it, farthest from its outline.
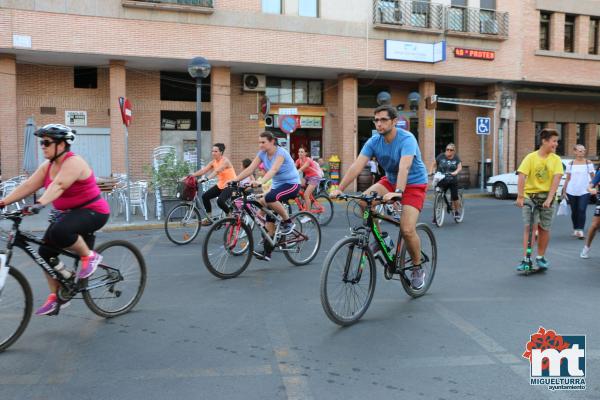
(57, 132)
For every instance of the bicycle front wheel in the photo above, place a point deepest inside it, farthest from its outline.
(461, 213)
(15, 308)
(347, 281)
(119, 281)
(182, 223)
(302, 245)
(228, 247)
(428, 261)
(324, 210)
(439, 209)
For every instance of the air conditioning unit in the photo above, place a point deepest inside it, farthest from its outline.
(255, 83)
(269, 121)
(489, 27)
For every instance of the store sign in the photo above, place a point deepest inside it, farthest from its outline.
(288, 111)
(415, 51)
(76, 118)
(474, 54)
(22, 41)
(311, 122)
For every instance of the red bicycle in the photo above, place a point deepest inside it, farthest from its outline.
(321, 207)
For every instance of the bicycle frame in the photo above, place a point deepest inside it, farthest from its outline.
(316, 207)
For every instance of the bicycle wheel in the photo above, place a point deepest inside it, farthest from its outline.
(324, 212)
(428, 261)
(302, 245)
(227, 248)
(354, 214)
(119, 282)
(182, 224)
(461, 214)
(439, 209)
(347, 281)
(15, 308)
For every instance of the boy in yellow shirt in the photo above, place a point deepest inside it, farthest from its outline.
(539, 176)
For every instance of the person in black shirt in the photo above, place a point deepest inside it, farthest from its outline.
(449, 163)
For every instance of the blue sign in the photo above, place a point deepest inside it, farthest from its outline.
(483, 125)
(402, 123)
(288, 123)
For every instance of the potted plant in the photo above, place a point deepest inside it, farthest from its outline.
(166, 177)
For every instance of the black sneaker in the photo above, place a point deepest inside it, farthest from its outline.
(286, 228)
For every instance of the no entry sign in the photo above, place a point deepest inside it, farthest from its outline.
(126, 112)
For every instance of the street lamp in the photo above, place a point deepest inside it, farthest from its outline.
(199, 68)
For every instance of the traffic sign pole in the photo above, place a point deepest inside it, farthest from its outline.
(482, 171)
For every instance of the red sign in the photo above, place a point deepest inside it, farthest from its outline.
(288, 123)
(474, 54)
(126, 112)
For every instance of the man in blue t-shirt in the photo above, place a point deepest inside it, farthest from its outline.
(405, 180)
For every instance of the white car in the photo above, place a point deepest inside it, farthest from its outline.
(504, 185)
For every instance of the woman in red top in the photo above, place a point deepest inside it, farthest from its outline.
(312, 174)
(71, 187)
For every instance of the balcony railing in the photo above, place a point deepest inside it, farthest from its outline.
(423, 15)
(476, 20)
(199, 6)
(200, 3)
(409, 14)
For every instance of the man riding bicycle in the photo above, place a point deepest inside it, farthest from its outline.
(449, 164)
(405, 180)
(281, 169)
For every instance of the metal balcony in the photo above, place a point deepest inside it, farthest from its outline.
(411, 15)
(198, 6)
(469, 20)
(199, 3)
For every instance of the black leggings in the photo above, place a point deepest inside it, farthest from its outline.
(63, 232)
(452, 184)
(222, 194)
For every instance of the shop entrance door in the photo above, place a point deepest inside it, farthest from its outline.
(306, 138)
(444, 133)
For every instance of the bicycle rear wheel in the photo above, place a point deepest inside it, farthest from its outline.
(324, 212)
(347, 281)
(182, 224)
(439, 209)
(302, 245)
(461, 214)
(428, 261)
(15, 308)
(119, 282)
(227, 248)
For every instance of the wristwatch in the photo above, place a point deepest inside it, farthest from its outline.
(399, 191)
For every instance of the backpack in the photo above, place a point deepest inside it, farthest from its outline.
(187, 189)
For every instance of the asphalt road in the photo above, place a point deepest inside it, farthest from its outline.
(264, 335)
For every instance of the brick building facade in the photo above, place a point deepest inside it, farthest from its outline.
(545, 61)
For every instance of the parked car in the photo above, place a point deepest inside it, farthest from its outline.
(504, 186)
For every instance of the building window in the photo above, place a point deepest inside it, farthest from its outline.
(594, 27)
(299, 91)
(308, 8)
(271, 6)
(538, 128)
(597, 137)
(367, 95)
(183, 120)
(581, 134)
(560, 128)
(569, 34)
(85, 77)
(545, 31)
(180, 86)
(420, 13)
(487, 4)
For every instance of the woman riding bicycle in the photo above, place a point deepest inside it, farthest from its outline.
(71, 188)
(286, 182)
(222, 168)
(449, 164)
(312, 175)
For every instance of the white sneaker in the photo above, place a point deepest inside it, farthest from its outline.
(585, 252)
(575, 233)
(580, 234)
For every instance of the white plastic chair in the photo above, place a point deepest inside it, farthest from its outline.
(138, 192)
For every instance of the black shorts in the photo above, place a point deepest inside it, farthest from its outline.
(283, 193)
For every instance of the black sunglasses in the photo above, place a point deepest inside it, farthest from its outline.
(46, 142)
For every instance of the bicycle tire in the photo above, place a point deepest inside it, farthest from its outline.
(174, 232)
(303, 221)
(439, 210)
(125, 266)
(219, 233)
(429, 254)
(19, 284)
(326, 216)
(461, 216)
(335, 314)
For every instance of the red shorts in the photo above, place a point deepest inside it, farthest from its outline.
(414, 195)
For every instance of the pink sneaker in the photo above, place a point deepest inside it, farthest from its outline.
(89, 265)
(50, 306)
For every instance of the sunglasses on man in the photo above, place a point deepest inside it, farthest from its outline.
(46, 142)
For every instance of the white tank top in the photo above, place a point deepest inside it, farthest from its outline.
(580, 178)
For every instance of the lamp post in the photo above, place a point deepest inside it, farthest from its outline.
(198, 68)
(505, 106)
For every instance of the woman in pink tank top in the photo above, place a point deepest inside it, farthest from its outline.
(71, 188)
